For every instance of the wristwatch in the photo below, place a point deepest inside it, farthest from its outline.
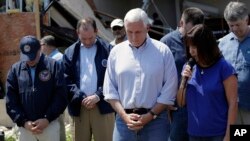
(153, 114)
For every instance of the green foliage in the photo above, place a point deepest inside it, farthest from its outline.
(68, 136)
(10, 139)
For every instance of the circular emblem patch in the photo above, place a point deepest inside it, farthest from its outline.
(104, 62)
(26, 48)
(44, 75)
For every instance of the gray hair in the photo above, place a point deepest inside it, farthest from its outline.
(135, 15)
(235, 11)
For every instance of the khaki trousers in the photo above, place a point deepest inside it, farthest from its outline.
(51, 133)
(92, 123)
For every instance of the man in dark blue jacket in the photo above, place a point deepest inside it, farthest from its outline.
(35, 93)
(85, 63)
(174, 40)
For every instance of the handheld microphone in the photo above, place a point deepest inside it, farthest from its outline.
(191, 63)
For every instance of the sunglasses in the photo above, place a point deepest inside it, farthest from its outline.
(117, 28)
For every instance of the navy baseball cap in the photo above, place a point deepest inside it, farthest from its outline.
(29, 46)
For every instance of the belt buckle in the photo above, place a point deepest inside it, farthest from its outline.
(135, 110)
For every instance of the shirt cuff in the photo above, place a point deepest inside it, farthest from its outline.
(98, 98)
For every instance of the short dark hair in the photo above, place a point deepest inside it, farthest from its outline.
(49, 40)
(203, 39)
(193, 15)
(85, 22)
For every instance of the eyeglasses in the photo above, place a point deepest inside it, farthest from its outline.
(42, 44)
(117, 28)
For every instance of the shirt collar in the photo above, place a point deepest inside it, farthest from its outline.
(144, 44)
(82, 45)
(53, 53)
(234, 37)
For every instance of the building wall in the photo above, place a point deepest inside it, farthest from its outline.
(13, 27)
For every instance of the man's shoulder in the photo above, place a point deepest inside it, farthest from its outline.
(19, 63)
(159, 45)
(71, 47)
(50, 63)
(17, 66)
(46, 60)
(170, 36)
(58, 56)
(103, 43)
(227, 37)
(70, 50)
(101, 40)
(120, 48)
(226, 40)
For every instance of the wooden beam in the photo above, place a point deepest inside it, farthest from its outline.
(37, 19)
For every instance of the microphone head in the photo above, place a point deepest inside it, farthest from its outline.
(191, 62)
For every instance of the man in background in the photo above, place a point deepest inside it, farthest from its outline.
(190, 17)
(235, 47)
(117, 28)
(49, 48)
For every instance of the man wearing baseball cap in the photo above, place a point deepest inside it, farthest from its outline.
(29, 47)
(35, 93)
(117, 28)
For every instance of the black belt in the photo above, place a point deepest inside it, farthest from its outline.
(139, 111)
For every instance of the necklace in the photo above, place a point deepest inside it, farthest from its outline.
(202, 71)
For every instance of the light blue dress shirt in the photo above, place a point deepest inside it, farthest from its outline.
(238, 54)
(88, 75)
(141, 77)
(56, 54)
